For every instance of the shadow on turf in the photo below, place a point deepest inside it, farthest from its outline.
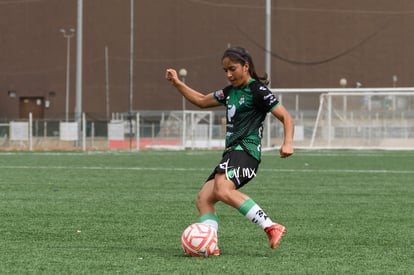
(233, 253)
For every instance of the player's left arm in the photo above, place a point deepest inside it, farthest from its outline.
(288, 126)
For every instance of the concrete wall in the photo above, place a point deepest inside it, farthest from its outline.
(314, 44)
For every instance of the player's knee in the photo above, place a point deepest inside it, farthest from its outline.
(203, 199)
(222, 194)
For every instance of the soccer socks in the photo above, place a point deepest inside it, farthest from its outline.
(210, 219)
(253, 212)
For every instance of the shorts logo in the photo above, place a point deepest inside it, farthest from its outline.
(237, 172)
(230, 173)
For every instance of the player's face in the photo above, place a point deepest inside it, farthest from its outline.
(236, 73)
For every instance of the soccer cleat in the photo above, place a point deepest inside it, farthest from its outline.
(275, 233)
(216, 252)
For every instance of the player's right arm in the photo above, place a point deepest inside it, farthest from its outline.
(195, 97)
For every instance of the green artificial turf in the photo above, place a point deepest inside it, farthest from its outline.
(346, 212)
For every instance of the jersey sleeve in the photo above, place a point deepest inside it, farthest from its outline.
(263, 98)
(221, 95)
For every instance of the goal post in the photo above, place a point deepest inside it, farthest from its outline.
(378, 119)
(345, 118)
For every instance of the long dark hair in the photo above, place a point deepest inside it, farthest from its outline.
(242, 56)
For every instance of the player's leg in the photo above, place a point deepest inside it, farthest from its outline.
(205, 205)
(236, 169)
(224, 190)
(227, 193)
(253, 212)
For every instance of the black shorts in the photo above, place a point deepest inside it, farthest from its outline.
(239, 167)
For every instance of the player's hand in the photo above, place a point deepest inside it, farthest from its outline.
(286, 150)
(171, 75)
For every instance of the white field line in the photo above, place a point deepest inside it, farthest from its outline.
(345, 171)
(304, 154)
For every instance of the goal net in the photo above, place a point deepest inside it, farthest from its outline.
(378, 119)
(191, 129)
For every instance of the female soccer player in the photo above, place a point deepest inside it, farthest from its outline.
(247, 101)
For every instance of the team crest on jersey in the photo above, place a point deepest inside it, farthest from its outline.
(241, 100)
(219, 94)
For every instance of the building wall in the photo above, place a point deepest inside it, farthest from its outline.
(314, 44)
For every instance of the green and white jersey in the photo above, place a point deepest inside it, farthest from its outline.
(246, 110)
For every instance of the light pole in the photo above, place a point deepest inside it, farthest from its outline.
(68, 34)
(79, 65)
(131, 74)
(394, 80)
(268, 40)
(393, 98)
(183, 73)
(343, 82)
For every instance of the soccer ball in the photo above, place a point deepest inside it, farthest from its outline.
(199, 240)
